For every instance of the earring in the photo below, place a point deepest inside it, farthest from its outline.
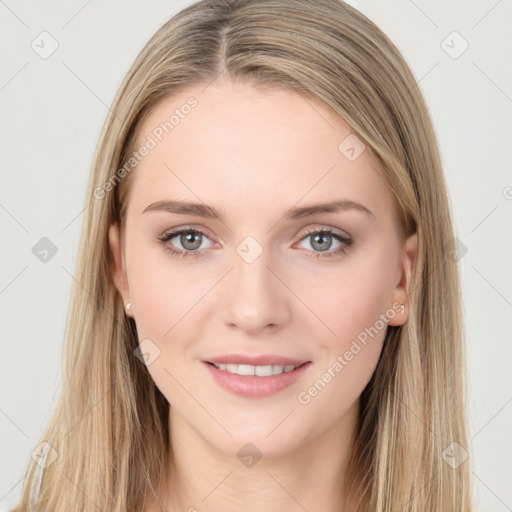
(402, 308)
(128, 306)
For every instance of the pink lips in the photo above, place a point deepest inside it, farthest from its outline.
(253, 386)
(261, 360)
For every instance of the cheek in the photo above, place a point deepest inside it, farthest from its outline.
(349, 357)
(166, 304)
(169, 302)
(351, 299)
(163, 293)
(353, 306)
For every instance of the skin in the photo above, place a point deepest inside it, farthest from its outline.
(253, 155)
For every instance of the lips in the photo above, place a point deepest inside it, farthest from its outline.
(259, 360)
(272, 373)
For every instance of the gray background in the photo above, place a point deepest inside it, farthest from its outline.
(52, 110)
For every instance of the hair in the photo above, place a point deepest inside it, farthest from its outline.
(109, 430)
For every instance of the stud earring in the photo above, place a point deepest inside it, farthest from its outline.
(402, 308)
(128, 306)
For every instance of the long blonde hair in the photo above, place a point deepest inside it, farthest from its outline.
(109, 436)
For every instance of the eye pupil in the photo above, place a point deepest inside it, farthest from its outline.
(189, 237)
(325, 241)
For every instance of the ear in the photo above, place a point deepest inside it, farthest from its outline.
(400, 294)
(118, 271)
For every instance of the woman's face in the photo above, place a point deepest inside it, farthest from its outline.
(315, 287)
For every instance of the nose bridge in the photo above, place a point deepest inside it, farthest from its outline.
(255, 297)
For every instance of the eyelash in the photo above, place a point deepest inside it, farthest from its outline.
(163, 239)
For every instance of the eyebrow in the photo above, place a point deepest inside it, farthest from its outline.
(203, 210)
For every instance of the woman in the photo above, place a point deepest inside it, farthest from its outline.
(268, 311)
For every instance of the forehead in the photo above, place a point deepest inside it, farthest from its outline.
(235, 144)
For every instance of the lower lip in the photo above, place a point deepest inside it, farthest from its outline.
(252, 386)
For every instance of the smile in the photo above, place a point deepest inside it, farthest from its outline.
(255, 381)
(259, 371)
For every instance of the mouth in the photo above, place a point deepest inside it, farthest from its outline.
(258, 371)
(256, 381)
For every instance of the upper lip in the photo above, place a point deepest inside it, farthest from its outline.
(260, 360)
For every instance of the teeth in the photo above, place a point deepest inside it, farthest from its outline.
(260, 371)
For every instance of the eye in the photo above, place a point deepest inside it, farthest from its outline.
(190, 239)
(321, 241)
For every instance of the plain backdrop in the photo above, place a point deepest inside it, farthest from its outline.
(52, 110)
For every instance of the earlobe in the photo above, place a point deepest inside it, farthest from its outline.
(402, 291)
(117, 266)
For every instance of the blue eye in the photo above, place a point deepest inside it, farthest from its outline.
(189, 236)
(322, 235)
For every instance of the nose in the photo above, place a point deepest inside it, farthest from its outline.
(255, 300)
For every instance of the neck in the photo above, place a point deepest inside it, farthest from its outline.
(310, 477)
